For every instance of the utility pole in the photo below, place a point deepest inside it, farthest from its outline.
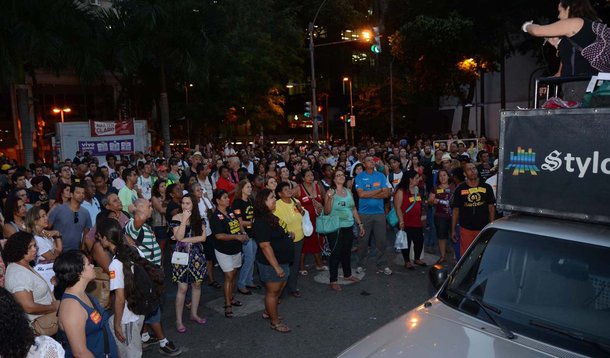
(314, 102)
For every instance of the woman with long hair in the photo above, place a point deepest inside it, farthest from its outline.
(48, 241)
(276, 251)
(22, 342)
(190, 234)
(243, 208)
(62, 195)
(408, 203)
(228, 240)
(83, 323)
(14, 216)
(310, 194)
(440, 198)
(205, 210)
(124, 324)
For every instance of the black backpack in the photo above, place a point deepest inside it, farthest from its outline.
(148, 287)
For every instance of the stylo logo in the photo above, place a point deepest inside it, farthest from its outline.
(581, 165)
(523, 162)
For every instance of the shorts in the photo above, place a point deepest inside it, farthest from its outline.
(443, 228)
(466, 239)
(267, 273)
(154, 317)
(228, 263)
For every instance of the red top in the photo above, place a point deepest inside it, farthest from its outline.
(413, 217)
(227, 186)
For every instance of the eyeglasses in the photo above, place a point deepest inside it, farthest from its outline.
(76, 217)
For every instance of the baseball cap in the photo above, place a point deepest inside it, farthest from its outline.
(197, 153)
(446, 156)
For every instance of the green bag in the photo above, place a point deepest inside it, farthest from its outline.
(600, 97)
(326, 224)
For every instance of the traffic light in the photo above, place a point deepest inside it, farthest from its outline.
(376, 47)
(307, 109)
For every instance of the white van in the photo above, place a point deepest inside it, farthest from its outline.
(527, 287)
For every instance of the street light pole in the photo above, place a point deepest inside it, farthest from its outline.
(314, 104)
(351, 110)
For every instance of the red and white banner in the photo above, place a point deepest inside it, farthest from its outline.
(103, 129)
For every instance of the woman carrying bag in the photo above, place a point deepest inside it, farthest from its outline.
(340, 208)
(409, 204)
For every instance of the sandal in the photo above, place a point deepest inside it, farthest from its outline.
(303, 272)
(280, 327)
(266, 316)
(214, 284)
(335, 286)
(409, 266)
(228, 311)
(420, 263)
(322, 268)
(352, 279)
(441, 260)
(296, 294)
(236, 303)
(244, 292)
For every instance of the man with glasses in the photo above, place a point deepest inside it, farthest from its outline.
(72, 220)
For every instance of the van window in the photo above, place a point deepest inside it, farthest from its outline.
(542, 287)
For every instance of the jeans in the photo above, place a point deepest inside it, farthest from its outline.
(340, 244)
(247, 267)
(291, 286)
(415, 236)
(430, 239)
(374, 224)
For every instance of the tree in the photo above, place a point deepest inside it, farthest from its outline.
(43, 34)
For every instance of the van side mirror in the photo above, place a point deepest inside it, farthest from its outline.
(437, 275)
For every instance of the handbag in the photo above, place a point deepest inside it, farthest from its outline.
(100, 287)
(392, 217)
(306, 224)
(47, 324)
(179, 257)
(326, 224)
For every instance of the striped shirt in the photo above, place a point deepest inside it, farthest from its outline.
(149, 246)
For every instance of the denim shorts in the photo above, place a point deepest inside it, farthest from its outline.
(154, 317)
(267, 273)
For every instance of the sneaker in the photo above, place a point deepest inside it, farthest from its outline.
(170, 350)
(149, 343)
(360, 270)
(387, 271)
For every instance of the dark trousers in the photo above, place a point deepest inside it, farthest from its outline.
(415, 236)
(293, 277)
(340, 244)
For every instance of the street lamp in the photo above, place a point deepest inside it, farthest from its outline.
(188, 121)
(61, 111)
(351, 109)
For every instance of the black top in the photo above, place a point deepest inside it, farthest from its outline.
(171, 206)
(245, 211)
(226, 224)
(573, 62)
(473, 204)
(277, 236)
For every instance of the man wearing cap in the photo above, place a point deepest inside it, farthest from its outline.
(191, 171)
(473, 204)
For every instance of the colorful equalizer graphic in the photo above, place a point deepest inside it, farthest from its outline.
(522, 162)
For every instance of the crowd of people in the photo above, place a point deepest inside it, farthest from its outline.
(85, 248)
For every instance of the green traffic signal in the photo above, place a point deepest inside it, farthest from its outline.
(375, 49)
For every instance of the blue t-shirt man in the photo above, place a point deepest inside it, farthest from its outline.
(369, 182)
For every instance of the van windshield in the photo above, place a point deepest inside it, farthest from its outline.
(552, 290)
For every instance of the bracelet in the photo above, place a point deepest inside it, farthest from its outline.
(360, 224)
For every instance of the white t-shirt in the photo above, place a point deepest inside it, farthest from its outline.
(19, 278)
(118, 183)
(395, 179)
(45, 244)
(204, 206)
(117, 280)
(145, 185)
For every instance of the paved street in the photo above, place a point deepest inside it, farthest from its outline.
(324, 322)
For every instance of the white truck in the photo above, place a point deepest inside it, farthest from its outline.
(535, 283)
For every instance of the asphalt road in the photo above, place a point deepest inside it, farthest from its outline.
(323, 322)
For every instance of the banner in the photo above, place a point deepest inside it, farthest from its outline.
(103, 129)
(555, 163)
(101, 148)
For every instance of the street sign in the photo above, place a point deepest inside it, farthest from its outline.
(319, 118)
(352, 122)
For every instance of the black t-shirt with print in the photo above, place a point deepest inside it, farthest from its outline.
(473, 203)
(226, 224)
(245, 211)
(277, 236)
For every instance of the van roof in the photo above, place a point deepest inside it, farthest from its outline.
(590, 233)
